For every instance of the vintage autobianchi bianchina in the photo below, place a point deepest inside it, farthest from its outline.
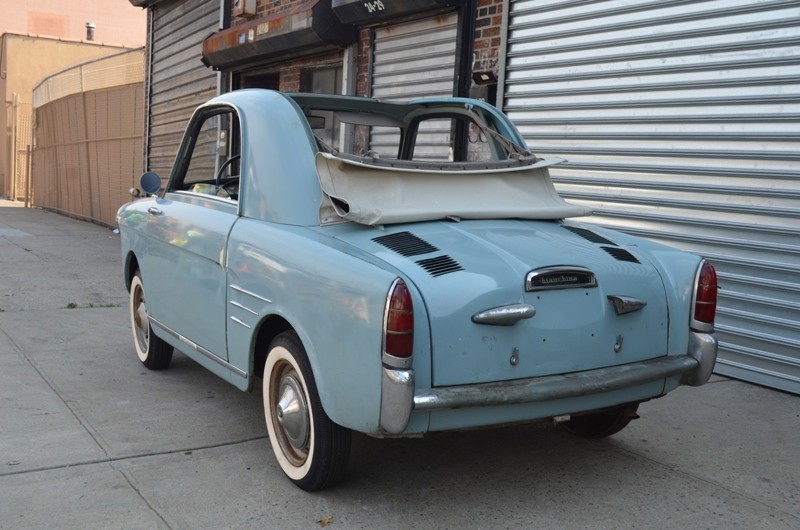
(388, 279)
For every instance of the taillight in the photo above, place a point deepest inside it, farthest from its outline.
(398, 327)
(705, 298)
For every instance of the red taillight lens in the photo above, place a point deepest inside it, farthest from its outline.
(705, 302)
(399, 326)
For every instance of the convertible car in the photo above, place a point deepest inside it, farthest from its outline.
(398, 269)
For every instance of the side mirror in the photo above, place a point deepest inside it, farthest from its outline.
(150, 183)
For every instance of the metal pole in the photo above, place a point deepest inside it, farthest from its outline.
(13, 175)
(501, 74)
(28, 177)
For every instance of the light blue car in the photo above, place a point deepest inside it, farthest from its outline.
(398, 269)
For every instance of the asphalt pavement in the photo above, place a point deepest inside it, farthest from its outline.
(89, 438)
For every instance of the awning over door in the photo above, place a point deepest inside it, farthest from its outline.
(362, 12)
(309, 27)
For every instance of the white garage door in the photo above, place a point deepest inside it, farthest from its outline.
(681, 123)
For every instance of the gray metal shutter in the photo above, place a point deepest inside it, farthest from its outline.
(415, 59)
(411, 60)
(179, 82)
(680, 124)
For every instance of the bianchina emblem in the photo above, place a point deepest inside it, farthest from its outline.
(559, 277)
(370, 268)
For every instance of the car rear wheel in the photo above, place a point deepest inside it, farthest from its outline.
(311, 449)
(601, 424)
(154, 353)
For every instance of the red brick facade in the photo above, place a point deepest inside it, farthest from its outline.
(486, 46)
(291, 78)
(362, 63)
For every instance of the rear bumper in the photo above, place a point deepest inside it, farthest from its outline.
(399, 398)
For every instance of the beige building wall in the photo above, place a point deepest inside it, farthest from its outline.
(24, 61)
(117, 22)
(41, 37)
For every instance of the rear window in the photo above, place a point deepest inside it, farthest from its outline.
(438, 138)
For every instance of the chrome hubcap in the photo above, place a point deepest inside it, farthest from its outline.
(140, 321)
(292, 412)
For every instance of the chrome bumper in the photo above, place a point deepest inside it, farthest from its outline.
(398, 398)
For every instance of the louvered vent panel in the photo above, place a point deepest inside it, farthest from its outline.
(440, 265)
(620, 254)
(405, 244)
(588, 235)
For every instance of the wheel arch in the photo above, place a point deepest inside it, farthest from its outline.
(357, 409)
(270, 327)
(130, 267)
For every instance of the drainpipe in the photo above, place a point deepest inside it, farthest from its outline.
(465, 42)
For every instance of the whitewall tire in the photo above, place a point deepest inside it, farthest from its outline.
(311, 450)
(154, 353)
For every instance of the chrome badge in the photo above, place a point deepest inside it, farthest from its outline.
(559, 277)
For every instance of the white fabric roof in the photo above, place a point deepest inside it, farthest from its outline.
(372, 195)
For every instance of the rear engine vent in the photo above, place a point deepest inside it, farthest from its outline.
(440, 265)
(405, 244)
(588, 235)
(620, 254)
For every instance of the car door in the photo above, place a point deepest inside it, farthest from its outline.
(189, 229)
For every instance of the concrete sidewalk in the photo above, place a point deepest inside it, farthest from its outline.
(91, 439)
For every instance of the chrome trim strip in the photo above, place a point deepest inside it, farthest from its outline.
(507, 315)
(234, 303)
(387, 359)
(397, 392)
(392, 361)
(199, 349)
(240, 322)
(703, 347)
(564, 277)
(547, 388)
(249, 293)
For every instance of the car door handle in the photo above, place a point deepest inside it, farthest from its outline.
(507, 315)
(154, 211)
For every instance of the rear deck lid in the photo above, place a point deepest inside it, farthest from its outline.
(596, 303)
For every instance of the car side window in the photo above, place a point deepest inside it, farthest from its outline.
(213, 158)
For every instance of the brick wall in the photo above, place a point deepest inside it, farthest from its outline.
(265, 8)
(268, 7)
(291, 73)
(362, 63)
(486, 51)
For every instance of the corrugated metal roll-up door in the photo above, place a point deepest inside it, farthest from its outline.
(179, 82)
(412, 60)
(680, 124)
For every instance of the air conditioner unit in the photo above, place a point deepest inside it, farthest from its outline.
(244, 8)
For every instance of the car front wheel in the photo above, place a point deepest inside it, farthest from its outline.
(152, 351)
(311, 449)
